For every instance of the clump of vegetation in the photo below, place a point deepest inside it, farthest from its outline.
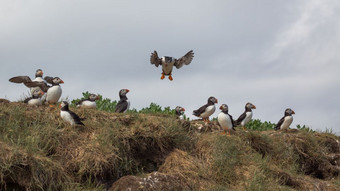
(257, 125)
(152, 149)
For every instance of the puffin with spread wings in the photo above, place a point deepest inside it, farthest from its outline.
(168, 62)
(26, 80)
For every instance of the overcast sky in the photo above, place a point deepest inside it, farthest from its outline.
(275, 54)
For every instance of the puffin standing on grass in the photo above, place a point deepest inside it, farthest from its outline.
(206, 110)
(225, 119)
(35, 99)
(53, 93)
(168, 62)
(246, 116)
(90, 102)
(180, 112)
(26, 80)
(286, 120)
(124, 104)
(70, 116)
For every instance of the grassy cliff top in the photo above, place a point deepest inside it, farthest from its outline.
(38, 151)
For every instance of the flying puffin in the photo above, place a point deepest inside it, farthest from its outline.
(26, 79)
(124, 104)
(69, 116)
(246, 116)
(35, 99)
(206, 110)
(90, 102)
(225, 120)
(286, 120)
(53, 93)
(180, 112)
(168, 62)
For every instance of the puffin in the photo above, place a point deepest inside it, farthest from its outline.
(69, 116)
(206, 110)
(168, 62)
(225, 120)
(180, 112)
(90, 102)
(53, 92)
(26, 80)
(124, 104)
(286, 120)
(246, 116)
(35, 99)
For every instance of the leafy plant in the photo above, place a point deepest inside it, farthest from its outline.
(304, 128)
(257, 125)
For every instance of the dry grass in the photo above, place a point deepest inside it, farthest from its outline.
(38, 151)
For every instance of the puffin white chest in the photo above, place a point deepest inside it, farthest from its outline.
(128, 106)
(88, 104)
(224, 121)
(167, 67)
(34, 102)
(208, 111)
(53, 94)
(287, 122)
(248, 117)
(66, 116)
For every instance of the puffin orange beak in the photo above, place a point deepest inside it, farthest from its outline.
(216, 100)
(41, 92)
(183, 109)
(221, 107)
(60, 105)
(254, 107)
(127, 90)
(41, 72)
(61, 82)
(293, 112)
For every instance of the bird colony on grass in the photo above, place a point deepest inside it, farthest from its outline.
(47, 90)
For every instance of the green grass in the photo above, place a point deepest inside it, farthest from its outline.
(38, 151)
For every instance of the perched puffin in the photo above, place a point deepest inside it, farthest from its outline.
(206, 110)
(26, 80)
(53, 93)
(168, 62)
(286, 120)
(225, 120)
(69, 116)
(180, 112)
(90, 102)
(124, 104)
(246, 116)
(35, 99)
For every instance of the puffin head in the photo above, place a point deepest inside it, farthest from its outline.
(93, 97)
(39, 73)
(37, 93)
(212, 100)
(179, 110)
(123, 92)
(64, 104)
(224, 107)
(57, 80)
(250, 106)
(289, 112)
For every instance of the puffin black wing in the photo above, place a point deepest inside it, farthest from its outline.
(42, 85)
(27, 99)
(277, 127)
(186, 59)
(155, 59)
(76, 118)
(201, 110)
(21, 79)
(49, 79)
(232, 122)
(240, 119)
(121, 106)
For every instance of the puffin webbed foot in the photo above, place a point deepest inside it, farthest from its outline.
(163, 76)
(170, 77)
